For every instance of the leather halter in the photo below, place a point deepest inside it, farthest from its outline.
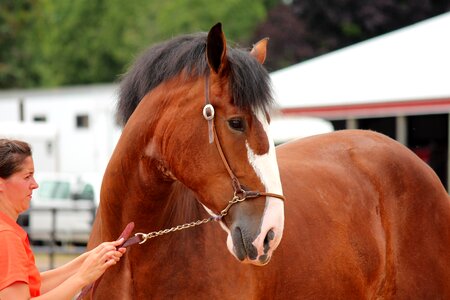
(239, 193)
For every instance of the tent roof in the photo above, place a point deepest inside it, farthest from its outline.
(409, 64)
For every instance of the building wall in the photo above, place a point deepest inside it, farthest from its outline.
(86, 132)
(9, 110)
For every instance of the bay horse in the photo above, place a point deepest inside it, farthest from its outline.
(346, 215)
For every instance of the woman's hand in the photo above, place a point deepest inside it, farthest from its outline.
(98, 260)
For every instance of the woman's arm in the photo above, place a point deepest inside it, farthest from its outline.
(20, 291)
(52, 278)
(93, 265)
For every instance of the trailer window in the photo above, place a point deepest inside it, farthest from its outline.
(82, 121)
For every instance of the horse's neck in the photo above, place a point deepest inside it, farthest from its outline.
(146, 198)
(180, 206)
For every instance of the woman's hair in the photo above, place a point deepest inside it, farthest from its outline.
(12, 155)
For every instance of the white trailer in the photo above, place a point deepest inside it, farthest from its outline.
(43, 139)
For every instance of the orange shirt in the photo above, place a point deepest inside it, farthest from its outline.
(16, 258)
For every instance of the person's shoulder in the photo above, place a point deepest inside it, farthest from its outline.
(11, 242)
(8, 232)
(10, 226)
(5, 225)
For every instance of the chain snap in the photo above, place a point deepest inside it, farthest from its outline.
(142, 236)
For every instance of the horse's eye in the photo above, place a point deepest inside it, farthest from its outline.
(237, 124)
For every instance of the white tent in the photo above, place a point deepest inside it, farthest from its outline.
(405, 65)
(290, 128)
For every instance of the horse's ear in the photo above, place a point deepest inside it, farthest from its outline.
(259, 50)
(216, 48)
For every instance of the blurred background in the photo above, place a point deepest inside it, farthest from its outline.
(381, 65)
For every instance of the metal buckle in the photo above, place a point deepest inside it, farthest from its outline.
(208, 112)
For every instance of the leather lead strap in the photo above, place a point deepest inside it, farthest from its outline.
(127, 242)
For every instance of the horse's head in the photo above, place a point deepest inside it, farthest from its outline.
(207, 126)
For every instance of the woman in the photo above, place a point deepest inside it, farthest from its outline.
(19, 277)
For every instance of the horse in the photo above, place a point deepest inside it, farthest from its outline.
(351, 214)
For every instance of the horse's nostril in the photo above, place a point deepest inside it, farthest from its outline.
(239, 247)
(270, 236)
(263, 259)
(243, 246)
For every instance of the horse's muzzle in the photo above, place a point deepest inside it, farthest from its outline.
(246, 248)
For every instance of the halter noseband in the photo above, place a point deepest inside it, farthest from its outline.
(239, 193)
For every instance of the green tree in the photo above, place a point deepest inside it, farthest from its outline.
(304, 29)
(90, 41)
(239, 17)
(15, 16)
(79, 42)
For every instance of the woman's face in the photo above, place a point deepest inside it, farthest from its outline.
(19, 187)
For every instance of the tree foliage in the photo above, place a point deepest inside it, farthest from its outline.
(15, 16)
(304, 29)
(53, 43)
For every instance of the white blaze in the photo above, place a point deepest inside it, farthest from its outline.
(266, 167)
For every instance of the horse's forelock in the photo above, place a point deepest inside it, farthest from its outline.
(249, 81)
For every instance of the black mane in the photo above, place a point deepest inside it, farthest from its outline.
(249, 81)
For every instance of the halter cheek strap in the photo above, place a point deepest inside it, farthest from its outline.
(239, 193)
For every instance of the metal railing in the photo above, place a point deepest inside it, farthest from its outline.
(48, 236)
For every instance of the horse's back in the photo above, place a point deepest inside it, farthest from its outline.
(376, 219)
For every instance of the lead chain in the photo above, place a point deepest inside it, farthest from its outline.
(150, 235)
